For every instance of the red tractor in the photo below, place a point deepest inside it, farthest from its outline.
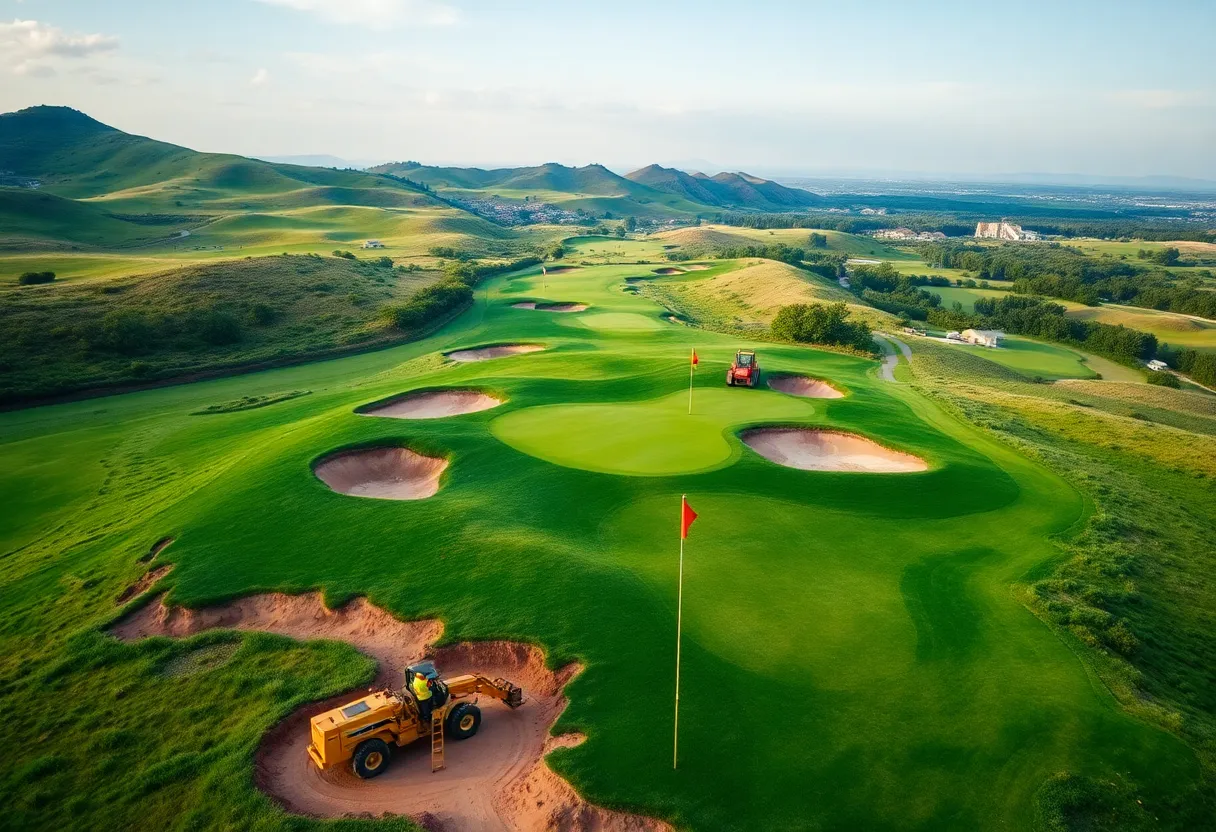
(745, 369)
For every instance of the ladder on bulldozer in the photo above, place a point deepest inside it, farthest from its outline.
(437, 762)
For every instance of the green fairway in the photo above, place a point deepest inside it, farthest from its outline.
(853, 655)
(1033, 358)
(967, 297)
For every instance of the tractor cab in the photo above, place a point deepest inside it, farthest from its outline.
(745, 369)
(427, 670)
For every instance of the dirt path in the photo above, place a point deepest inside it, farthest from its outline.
(891, 360)
(496, 780)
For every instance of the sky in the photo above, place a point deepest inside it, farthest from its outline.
(1111, 88)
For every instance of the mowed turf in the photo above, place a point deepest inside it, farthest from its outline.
(853, 655)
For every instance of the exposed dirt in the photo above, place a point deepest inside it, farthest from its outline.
(497, 351)
(669, 271)
(157, 548)
(561, 269)
(804, 386)
(382, 473)
(822, 450)
(496, 780)
(695, 267)
(145, 583)
(550, 307)
(433, 404)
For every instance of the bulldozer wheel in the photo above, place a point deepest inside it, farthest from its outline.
(371, 758)
(463, 721)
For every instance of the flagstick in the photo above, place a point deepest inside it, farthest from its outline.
(675, 753)
(691, 367)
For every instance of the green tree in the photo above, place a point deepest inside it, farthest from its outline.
(631, 223)
(817, 240)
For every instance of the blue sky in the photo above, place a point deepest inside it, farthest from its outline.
(1112, 88)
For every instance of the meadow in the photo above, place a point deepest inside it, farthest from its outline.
(853, 655)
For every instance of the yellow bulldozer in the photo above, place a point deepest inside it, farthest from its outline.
(367, 730)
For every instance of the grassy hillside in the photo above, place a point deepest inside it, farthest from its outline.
(1171, 328)
(726, 190)
(704, 238)
(59, 339)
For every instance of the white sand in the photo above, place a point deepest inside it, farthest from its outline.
(821, 450)
(807, 388)
(486, 353)
(434, 404)
(382, 473)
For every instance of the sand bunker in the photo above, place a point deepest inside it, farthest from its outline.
(432, 404)
(550, 307)
(669, 271)
(382, 473)
(498, 351)
(696, 267)
(560, 269)
(146, 582)
(497, 780)
(804, 386)
(823, 450)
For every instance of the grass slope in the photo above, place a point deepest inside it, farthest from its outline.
(892, 680)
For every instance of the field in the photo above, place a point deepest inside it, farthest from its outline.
(705, 237)
(1171, 328)
(965, 296)
(852, 658)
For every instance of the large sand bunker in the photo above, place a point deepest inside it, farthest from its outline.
(804, 386)
(496, 351)
(669, 271)
(824, 450)
(382, 473)
(432, 404)
(496, 780)
(560, 269)
(550, 307)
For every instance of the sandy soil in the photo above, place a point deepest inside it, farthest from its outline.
(550, 307)
(434, 404)
(499, 351)
(695, 267)
(496, 780)
(804, 386)
(382, 473)
(822, 450)
(145, 583)
(561, 269)
(669, 271)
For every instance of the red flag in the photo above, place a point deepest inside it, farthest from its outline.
(687, 515)
(694, 358)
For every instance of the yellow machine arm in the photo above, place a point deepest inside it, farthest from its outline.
(470, 684)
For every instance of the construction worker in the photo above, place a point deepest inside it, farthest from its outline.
(421, 687)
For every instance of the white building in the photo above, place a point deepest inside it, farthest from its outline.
(1158, 365)
(983, 337)
(373, 244)
(1004, 231)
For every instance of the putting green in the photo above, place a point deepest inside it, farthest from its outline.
(644, 438)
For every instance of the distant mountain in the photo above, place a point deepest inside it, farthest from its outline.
(725, 190)
(70, 154)
(321, 160)
(594, 180)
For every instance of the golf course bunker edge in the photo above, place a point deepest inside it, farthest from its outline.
(496, 779)
(431, 404)
(815, 449)
(550, 307)
(803, 387)
(489, 351)
(384, 473)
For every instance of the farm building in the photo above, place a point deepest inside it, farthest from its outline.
(373, 244)
(1158, 365)
(983, 337)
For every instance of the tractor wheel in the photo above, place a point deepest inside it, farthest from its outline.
(371, 759)
(463, 721)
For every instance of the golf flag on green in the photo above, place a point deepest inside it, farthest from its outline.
(692, 365)
(687, 516)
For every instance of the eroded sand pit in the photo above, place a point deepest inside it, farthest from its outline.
(432, 404)
(146, 582)
(550, 307)
(822, 450)
(496, 780)
(804, 386)
(695, 267)
(496, 351)
(561, 269)
(669, 271)
(382, 473)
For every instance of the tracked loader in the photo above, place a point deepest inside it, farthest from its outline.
(366, 731)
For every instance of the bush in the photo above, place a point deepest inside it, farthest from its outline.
(344, 254)
(219, 328)
(31, 278)
(816, 323)
(127, 332)
(263, 315)
(1163, 379)
(384, 262)
(817, 240)
(429, 303)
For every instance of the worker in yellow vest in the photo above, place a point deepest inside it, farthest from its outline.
(421, 686)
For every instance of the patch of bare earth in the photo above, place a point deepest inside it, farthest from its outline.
(146, 582)
(561, 269)
(804, 386)
(822, 450)
(498, 351)
(382, 473)
(550, 307)
(433, 404)
(496, 780)
(669, 271)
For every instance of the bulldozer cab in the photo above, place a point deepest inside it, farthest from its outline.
(428, 671)
(744, 359)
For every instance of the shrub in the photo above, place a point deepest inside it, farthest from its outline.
(344, 254)
(31, 278)
(817, 240)
(428, 304)
(219, 328)
(1163, 379)
(384, 262)
(816, 323)
(128, 332)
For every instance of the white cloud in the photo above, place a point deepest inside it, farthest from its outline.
(28, 47)
(376, 14)
(260, 77)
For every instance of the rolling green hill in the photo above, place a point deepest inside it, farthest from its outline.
(726, 190)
